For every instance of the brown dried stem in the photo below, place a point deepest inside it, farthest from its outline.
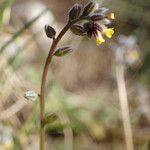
(124, 100)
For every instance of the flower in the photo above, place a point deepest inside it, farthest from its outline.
(100, 40)
(97, 22)
(111, 16)
(97, 30)
(109, 32)
(94, 29)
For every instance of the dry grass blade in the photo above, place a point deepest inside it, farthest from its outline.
(123, 100)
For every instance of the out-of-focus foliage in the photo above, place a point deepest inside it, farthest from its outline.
(5, 6)
(133, 17)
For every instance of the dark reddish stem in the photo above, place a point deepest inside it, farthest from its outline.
(43, 82)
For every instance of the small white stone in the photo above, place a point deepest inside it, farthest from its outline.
(31, 95)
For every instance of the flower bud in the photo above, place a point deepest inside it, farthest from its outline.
(49, 118)
(97, 17)
(75, 12)
(78, 30)
(89, 8)
(50, 32)
(62, 51)
(105, 21)
(102, 10)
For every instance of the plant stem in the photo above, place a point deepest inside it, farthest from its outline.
(123, 100)
(43, 82)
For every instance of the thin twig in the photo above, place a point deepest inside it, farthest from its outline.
(123, 100)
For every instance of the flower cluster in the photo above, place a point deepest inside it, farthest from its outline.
(85, 20)
(96, 21)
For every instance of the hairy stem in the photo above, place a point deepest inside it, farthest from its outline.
(43, 82)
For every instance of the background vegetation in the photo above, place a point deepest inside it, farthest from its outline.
(82, 87)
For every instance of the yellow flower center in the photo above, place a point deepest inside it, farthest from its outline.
(99, 40)
(111, 16)
(109, 32)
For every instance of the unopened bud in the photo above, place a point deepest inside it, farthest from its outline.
(49, 118)
(89, 8)
(78, 30)
(50, 32)
(105, 21)
(75, 12)
(63, 51)
(97, 17)
(102, 10)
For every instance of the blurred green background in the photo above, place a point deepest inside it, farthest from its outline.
(81, 87)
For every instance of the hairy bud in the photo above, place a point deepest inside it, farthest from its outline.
(89, 8)
(49, 118)
(50, 32)
(63, 51)
(78, 30)
(75, 12)
(97, 17)
(105, 21)
(102, 10)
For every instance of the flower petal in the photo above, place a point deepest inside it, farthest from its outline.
(100, 41)
(109, 32)
(111, 16)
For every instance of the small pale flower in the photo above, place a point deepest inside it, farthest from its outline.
(109, 32)
(111, 16)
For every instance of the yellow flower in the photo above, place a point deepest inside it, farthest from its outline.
(111, 16)
(109, 32)
(99, 40)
